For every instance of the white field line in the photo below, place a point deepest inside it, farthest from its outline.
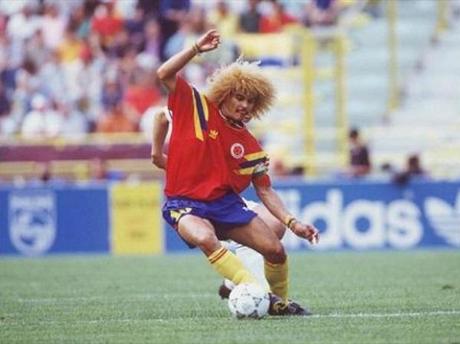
(332, 315)
(387, 315)
(420, 314)
(317, 316)
(135, 297)
(156, 296)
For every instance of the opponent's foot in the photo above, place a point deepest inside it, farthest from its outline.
(299, 310)
(279, 307)
(224, 291)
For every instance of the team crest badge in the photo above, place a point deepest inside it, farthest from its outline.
(237, 150)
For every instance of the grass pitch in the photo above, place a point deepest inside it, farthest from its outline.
(368, 297)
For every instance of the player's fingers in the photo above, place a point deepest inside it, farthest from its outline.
(315, 238)
(313, 235)
(211, 33)
(307, 234)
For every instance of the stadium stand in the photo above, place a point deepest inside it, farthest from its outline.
(331, 75)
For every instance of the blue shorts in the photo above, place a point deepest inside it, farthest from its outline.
(226, 212)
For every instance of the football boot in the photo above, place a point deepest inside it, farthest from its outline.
(280, 308)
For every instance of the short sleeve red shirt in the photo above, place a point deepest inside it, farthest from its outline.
(207, 157)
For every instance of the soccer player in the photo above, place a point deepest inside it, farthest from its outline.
(251, 259)
(212, 157)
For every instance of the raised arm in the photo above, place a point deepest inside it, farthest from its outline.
(168, 70)
(160, 130)
(275, 205)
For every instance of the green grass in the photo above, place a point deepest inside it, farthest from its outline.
(369, 297)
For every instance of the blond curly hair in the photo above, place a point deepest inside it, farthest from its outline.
(242, 77)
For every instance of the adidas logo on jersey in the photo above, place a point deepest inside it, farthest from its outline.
(213, 134)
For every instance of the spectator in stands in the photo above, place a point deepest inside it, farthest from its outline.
(42, 121)
(152, 41)
(53, 26)
(171, 14)
(134, 27)
(35, 49)
(298, 171)
(80, 19)
(115, 119)
(414, 166)
(278, 168)
(100, 172)
(3, 20)
(23, 24)
(249, 20)
(321, 12)
(106, 23)
(413, 169)
(4, 102)
(190, 26)
(74, 122)
(141, 93)
(70, 48)
(7, 124)
(224, 20)
(44, 171)
(85, 43)
(111, 92)
(127, 66)
(97, 169)
(360, 163)
(374, 8)
(276, 19)
(88, 83)
(52, 78)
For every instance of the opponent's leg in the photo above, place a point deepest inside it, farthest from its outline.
(252, 259)
(199, 232)
(258, 236)
(254, 262)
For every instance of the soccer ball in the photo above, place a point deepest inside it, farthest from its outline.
(248, 300)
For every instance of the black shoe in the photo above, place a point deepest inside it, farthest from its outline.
(299, 310)
(224, 291)
(279, 307)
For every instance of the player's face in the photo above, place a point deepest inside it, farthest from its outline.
(238, 107)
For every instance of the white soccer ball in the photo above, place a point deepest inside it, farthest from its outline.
(248, 300)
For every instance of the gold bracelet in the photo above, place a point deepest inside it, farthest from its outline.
(291, 223)
(289, 220)
(196, 49)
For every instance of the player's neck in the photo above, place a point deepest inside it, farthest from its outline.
(232, 122)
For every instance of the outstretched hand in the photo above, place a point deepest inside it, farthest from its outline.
(308, 232)
(209, 41)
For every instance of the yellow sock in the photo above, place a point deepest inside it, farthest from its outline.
(277, 278)
(230, 267)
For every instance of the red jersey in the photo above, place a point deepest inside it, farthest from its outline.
(207, 157)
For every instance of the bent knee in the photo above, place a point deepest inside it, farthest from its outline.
(206, 241)
(198, 233)
(276, 254)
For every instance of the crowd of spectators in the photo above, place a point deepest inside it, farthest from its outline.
(78, 66)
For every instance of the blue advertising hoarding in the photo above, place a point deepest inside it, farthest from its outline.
(368, 215)
(39, 220)
(350, 215)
